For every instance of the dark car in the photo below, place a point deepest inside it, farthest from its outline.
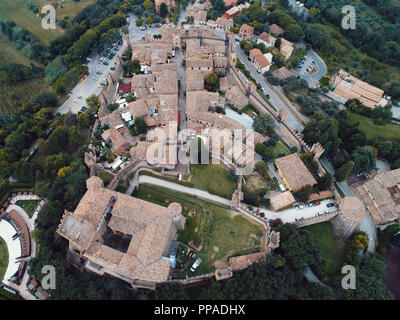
(268, 96)
(83, 109)
(329, 205)
(105, 63)
(112, 68)
(265, 160)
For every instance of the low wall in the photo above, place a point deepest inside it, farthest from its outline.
(315, 220)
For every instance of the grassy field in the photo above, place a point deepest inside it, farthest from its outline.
(332, 248)
(223, 232)
(280, 148)
(390, 131)
(28, 205)
(9, 53)
(3, 258)
(17, 11)
(106, 177)
(14, 96)
(219, 184)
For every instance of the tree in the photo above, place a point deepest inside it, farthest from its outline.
(140, 125)
(139, 22)
(263, 123)
(278, 43)
(304, 193)
(163, 10)
(55, 162)
(342, 173)
(212, 81)
(149, 20)
(324, 182)
(294, 32)
(148, 5)
(364, 159)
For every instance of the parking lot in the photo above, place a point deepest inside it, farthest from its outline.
(91, 85)
(98, 71)
(290, 215)
(307, 65)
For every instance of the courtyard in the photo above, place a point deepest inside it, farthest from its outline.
(215, 230)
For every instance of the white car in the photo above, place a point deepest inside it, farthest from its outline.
(196, 264)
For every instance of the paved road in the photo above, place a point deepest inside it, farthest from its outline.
(275, 99)
(181, 71)
(342, 185)
(177, 187)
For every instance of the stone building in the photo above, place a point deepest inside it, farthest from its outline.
(347, 221)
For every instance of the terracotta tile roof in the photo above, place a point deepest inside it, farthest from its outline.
(282, 73)
(235, 96)
(381, 196)
(295, 171)
(246, 29)
(282, 200)
(266, 37)
(194, 80)
(151, 226)
(274, 28)
(349, 87)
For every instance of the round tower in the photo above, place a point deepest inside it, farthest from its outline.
(347, 222)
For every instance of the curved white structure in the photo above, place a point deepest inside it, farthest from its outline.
(7, 231)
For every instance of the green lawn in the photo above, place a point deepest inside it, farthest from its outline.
(390, 131)
(224, 233)
(106, 177)
(3, 258)
(280, 148)
(213, 178)
(332, 248)
(28, 205)
(17, 11)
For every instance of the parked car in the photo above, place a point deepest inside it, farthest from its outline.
(268, 96)
(196, 264)
(84, 108)
(329, 205)
(112, 68)
(99, 72)
(102, 84)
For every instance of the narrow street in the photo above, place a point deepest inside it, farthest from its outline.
(180, 55)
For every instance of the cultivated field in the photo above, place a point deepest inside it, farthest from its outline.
(14, 96)
(9, 54)
(17, 11)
